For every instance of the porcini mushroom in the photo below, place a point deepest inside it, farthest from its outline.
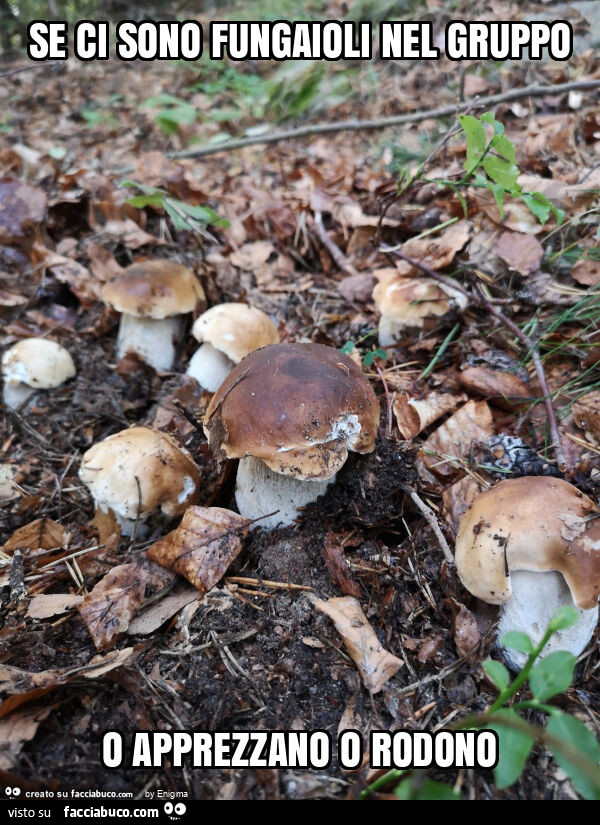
(34, 364)
(290, 413)
(532, 545)
(137, 471)
(229, 332)
(151, 297)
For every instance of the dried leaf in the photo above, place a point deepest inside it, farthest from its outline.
(470, 423)
(22, 206)
(203, 546)
(41, 534)
(466, 632)
(586, 415)
(415, 415)
(79, 279)
(18, 686)
(17, 729)
(8, 488)
(52, 604)
(457, 499)
(375, 664)
(520, 251)
(109, 608)
(337, 566)
(495, 384)
(150, 619)
(587, 272)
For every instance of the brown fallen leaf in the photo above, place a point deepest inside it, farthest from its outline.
(338, 567)
(466, 632)
(80, 280)
(454, 437)
(52, 604)
(203, 546)
(522, 252)
(587, 272)
(18, 686)
(41, 534)
(23, 207)
(413, 415)
(150, 619)
(106, 524)
(586, 415)
(505, 388)
(17, 729)
(375, 664)
(109, 608)
(11, 299)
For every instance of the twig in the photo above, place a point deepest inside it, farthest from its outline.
(388, 401)
(266, 583)
(381, 123)
(479, 299)
(432, 521)
(335, 252)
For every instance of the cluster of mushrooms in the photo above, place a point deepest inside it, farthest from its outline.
(291, 413)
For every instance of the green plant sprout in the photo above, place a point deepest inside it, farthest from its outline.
(489, 164)
(184, 215)
(573, 745)
(369, 357)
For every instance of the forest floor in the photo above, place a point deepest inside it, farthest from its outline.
(252, 655)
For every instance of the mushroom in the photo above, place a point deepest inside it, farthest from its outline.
(290, 413)
(230, 332)
(34, 364)
(532, 545)
(137, 471)
(151, 297)
(405, 303)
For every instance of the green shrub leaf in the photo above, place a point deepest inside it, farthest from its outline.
(514, 747)
(497, 673)
(576, 734)
(516, 640)
(552, 675)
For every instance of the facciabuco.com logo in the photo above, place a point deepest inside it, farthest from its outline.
(117, 813)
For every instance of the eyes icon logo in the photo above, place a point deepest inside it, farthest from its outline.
(175, 812)
(12, 791)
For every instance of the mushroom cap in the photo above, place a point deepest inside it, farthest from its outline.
(167, 475)
(297, 407)
(533, 523)
(37, 362)
(154, 289)
(235, 329)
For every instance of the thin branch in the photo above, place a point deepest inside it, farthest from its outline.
(432, 521)
(336, 253)
(479, 299)
(381, 123)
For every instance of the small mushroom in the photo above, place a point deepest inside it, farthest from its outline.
(290, 413)
(34, 364)
(229, 332)
(405, 303)
(532, 545)
(151, 297)
(137, 471)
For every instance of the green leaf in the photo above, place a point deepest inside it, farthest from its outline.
(488, 117)
(501, 171)
(371, 356)
(578, 736)
(140, 201)
(504, 147)
(563, 618)
(498, 192)
(476, 141)
(552, 675)
(428, 790)
(537, 205)
(514, 747)
(497, 673)
(347, 348)
(516, 640)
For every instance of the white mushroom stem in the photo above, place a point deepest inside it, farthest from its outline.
(16, 394)
(210, 367)
(153, 340)
(259, 491)
(390, 330)
(535, 599)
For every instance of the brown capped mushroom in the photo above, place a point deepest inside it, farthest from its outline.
(34, 364)
(532, 544)
(290, 413)
(137, 471)
(229, 332)
(151, 297)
